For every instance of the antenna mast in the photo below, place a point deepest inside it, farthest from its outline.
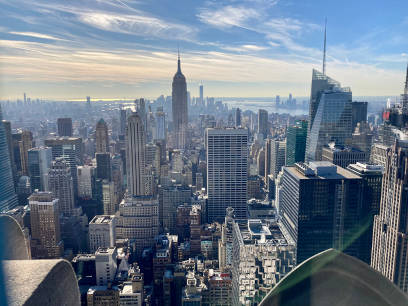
(324, 48)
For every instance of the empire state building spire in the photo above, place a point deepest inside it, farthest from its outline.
(178, 62)
(406, 82)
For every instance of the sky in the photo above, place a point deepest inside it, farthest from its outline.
(69, 49)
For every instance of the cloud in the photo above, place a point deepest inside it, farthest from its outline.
(254, 75)
(36, 35)
(228, 16)
(136, 25)
(244, 48)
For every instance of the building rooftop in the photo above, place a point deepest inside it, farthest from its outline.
(102, 219)
(338, 148)
(257, 231)
(127, 289)
(363, 168)
(84, 257)
(93, 289)
(320, 170)
(105, 251)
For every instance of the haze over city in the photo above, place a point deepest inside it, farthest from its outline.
(123, 48)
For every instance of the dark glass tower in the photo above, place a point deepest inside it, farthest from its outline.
(296, 142)
(370, 206)
(179, 106)
(8, 198)
(320, 205)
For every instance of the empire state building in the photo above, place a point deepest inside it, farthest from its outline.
(179, 107)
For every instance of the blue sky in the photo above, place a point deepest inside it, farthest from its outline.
(253, 48)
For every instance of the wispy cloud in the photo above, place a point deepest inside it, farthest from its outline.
(36, 35)
(245, 48)
(228, 16)
(134, 67)
(136, 25)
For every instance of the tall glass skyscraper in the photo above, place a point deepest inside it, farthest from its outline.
(330, 116)
(8, 198)
(296, 142)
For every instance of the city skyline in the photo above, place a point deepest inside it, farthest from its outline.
(116, 49)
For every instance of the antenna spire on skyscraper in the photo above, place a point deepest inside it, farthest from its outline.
(406, 81)
(404, 96)
(178, 59)
(324, 48)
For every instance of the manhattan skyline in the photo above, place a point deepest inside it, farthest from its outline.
(118, 49)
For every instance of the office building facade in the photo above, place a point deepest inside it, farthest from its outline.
(64, 127)
(39, 162)
(389, 253)
(227, 171)
(138, 220)
(320, 206)
(8, 198)
(263, 127)
(296, 142)
(135, 155)
(330, 118)
(60, 183)
(101, 137)
(102, 232)
(46, 239)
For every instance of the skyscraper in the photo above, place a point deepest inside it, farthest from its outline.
(70, 148)
(103, 166)
(227, 169)
(320, 208)
(296, 142)
(238, 117)
(267, 165)
(160, 124)
(45, 226)
(88, 103)
(179, 106)
(371, 191)
(330, 118)
(26, 143)
(201, 94)
(8, 198)
(86, 176)
(39, 162)
(263, 123)
(122, 115)
(9, 137)
(101, 137)
(362, 138)
(278, 148)
(358, 113)
(60, 183)
(390, 235)
(170, 197)
(135, 155)
(64, 126)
